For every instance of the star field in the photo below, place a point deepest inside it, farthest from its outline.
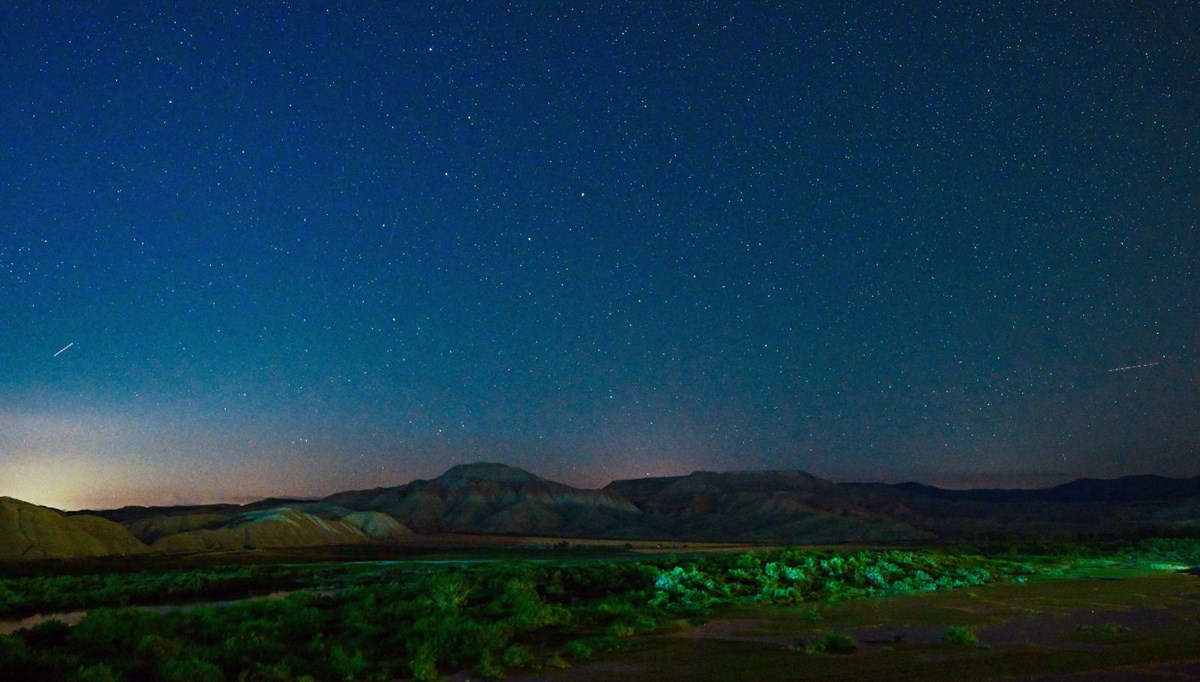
(300, 248)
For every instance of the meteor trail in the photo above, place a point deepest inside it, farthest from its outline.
(64, 348)
(1127, 367)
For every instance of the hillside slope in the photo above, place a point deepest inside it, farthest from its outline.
(28, 531)
(280, 527)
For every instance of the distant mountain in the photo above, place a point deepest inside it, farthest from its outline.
(500, 499)
(1084, 507)
(1127, 489)
(764, 506)
(778, 507)
(133, 513)
(792, 506)
(28, 531)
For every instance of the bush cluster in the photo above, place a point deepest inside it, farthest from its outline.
(795, 576)
(485, 618)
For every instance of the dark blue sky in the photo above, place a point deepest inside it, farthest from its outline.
(309, 247)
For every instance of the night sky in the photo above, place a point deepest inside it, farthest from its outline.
(292, 249)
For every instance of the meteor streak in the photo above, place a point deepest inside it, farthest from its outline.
(1128, 367)
(64, 348)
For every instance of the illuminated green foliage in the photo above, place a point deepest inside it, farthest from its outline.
(387, 622)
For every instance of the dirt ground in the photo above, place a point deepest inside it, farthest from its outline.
(1121, 627)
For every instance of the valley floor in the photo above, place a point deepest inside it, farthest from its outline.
(1121, 625)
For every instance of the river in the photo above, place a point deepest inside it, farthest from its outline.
(72, 618)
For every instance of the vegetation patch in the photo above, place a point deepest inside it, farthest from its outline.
(406, 620)
(835, 643)
(957, 634)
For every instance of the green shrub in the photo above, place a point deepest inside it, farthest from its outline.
(278, 672)
(424, 664)
(96, 673)
(957, 634)
(621, 630)
(192, 670)
(836, 643)
(517, 657)
(580, 649)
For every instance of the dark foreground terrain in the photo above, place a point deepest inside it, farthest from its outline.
(1127, 625)
(570, 612)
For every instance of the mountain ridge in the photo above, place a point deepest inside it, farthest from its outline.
(495, 498)
(490, 498)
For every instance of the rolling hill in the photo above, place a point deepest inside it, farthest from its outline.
(281, 527)
(28, 531)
